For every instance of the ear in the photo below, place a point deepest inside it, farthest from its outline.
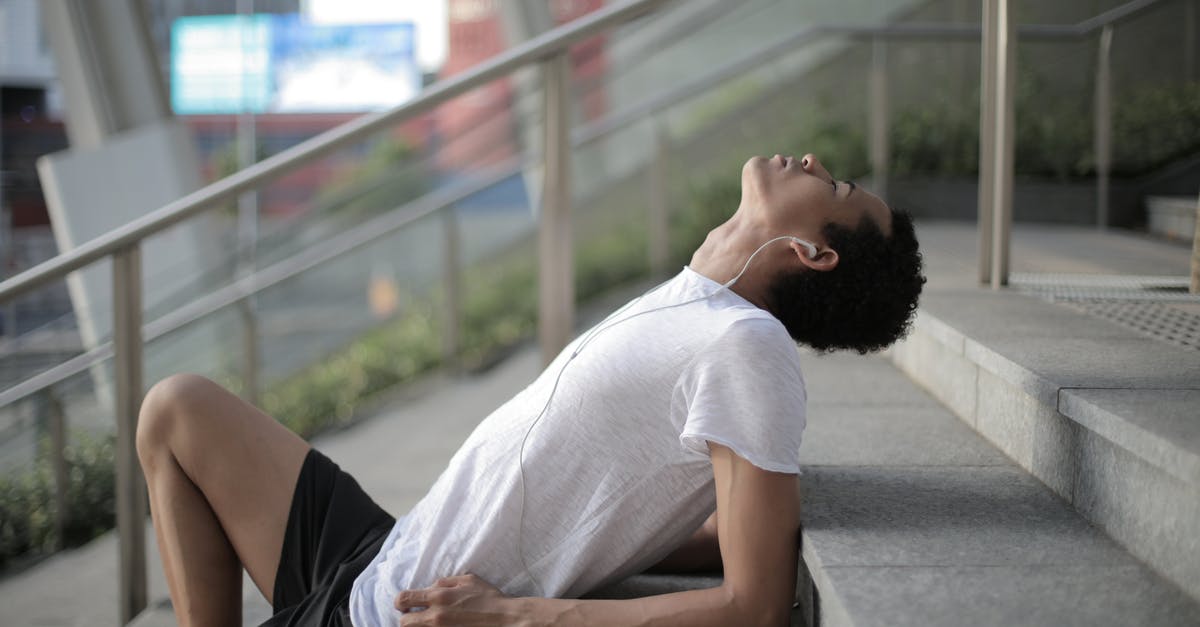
(825, 260)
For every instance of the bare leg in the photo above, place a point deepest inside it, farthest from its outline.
(221, 475)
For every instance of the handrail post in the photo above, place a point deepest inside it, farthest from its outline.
(1189, 42)
(658, 234)
(58, 461)
(1103, 125)
(452, 285)
(251, 353)
(987, 123)
(1002, 167)
(131, 490)
(556, 267)
(8, 310)
(878, 95)
(1195, 284)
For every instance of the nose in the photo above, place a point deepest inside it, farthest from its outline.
(813, 166)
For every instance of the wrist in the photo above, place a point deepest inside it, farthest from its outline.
(528, 609)
(537, 611)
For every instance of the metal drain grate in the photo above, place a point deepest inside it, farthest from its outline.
(1158, 306)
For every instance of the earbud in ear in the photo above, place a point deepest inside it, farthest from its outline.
(809, 246)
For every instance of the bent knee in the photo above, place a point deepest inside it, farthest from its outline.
(166, 404)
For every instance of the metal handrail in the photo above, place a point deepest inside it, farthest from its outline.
(250, 285)
(123, 246)
(386, 224)
(542, 46)
(548, 44)
(592, 132)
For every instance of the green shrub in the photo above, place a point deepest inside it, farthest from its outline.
(499, 307)
(1152, 126)
(392, 174)
(937, 140)
(27, 510)
(1155, 126)
(709, 204)
(325, 394)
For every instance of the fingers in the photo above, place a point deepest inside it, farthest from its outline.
(455, 581)
(426, 597)
(432, 618)
(419, 619)
(440, 594)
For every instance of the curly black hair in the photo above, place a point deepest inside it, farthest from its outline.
(866, 302)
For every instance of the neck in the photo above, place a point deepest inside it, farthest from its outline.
(724, 254)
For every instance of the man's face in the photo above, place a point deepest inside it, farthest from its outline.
(799, 197)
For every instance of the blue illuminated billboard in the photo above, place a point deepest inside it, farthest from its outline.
(283, 64)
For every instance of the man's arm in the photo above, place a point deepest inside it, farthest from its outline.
(758, 513)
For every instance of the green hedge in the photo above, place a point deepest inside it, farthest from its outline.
(1152, 126)
(27, 509)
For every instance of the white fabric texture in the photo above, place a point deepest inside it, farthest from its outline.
(616, 469)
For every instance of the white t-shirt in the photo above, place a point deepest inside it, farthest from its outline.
(616, 469)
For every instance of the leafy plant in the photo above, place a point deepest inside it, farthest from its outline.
(1152, 126)
(27, 511)
(391, 174)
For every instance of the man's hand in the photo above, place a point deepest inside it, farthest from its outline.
(461, 600)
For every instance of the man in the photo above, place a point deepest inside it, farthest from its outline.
(688, 399)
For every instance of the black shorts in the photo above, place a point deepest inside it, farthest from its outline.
(333, 531)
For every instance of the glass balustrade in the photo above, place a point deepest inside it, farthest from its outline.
(336, 296)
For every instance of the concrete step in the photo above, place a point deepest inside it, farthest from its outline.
(912, 518)
(1106, 417)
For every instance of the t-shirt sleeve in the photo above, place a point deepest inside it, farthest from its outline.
(745, 391)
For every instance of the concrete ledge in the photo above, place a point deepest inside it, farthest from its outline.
(1031, 433)
(911, 518)
(946, 516)
(1105, 417)
(1163, 425)
(1051, 595)
(1156, 516)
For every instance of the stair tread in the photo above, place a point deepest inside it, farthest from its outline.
(1138, 392)
(1160, 424)
(911, 517)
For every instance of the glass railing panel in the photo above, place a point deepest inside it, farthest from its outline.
(612, 217)
(459, 286)
(933, 126)
(498, 256)
(306, 317)
(1156, 98)
(730, 37)
(333, 336)
(47, 332)
(344, 189)
(56, 468)
(212, 345)
(1064, 12)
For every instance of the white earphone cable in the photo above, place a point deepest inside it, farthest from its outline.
(603, 326)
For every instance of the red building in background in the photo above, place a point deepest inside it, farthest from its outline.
(479, 129)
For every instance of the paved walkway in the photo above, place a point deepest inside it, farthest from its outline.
(398, 453)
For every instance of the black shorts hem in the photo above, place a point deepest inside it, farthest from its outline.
(333, 532)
